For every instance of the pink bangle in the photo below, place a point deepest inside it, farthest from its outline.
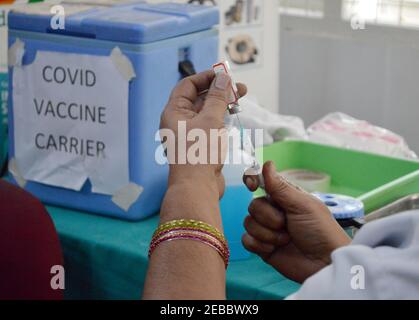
(161, 233)
(195, 235)
(191, 233)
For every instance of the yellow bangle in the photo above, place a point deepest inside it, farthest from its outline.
(189, 223)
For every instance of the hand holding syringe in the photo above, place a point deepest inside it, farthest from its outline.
(234, 109)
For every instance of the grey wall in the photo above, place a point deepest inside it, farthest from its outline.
(371, 74)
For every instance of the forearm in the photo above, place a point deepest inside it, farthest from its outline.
(184, 269)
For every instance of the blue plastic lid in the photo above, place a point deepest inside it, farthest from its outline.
(137, 22)
(342, 207)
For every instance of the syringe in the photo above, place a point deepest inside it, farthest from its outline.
(256, 170)
(234, 109)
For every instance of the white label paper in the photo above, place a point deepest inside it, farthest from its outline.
(71, 121)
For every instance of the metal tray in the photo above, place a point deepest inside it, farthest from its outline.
(404, 204)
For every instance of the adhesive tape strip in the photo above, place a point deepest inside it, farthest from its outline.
(310, 181)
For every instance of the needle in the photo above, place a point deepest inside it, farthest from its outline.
(241, 131)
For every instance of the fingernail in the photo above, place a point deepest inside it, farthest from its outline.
(272, 170)
(250, 182)
(272, 166)
(221, 81)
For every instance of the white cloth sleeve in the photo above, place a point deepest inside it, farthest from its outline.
(382, 262)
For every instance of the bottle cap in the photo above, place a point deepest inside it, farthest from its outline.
(234, 108)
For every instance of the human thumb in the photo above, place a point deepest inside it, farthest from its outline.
(283, 193)
(217, 97)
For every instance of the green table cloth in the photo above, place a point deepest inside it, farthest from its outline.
(106, 258)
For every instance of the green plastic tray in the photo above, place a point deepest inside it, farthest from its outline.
(376, 180)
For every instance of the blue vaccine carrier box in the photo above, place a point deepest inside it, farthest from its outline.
(155, 38)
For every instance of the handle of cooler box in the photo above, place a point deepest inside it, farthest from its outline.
(186, 68)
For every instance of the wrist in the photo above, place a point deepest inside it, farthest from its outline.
(338, 239)
(195, 175)
(192, 197)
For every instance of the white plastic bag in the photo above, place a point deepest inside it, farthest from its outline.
(339, 129)
(275, 127)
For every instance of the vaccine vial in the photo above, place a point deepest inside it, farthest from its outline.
(233, 104)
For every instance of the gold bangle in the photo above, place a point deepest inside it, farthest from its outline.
(189, 223)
